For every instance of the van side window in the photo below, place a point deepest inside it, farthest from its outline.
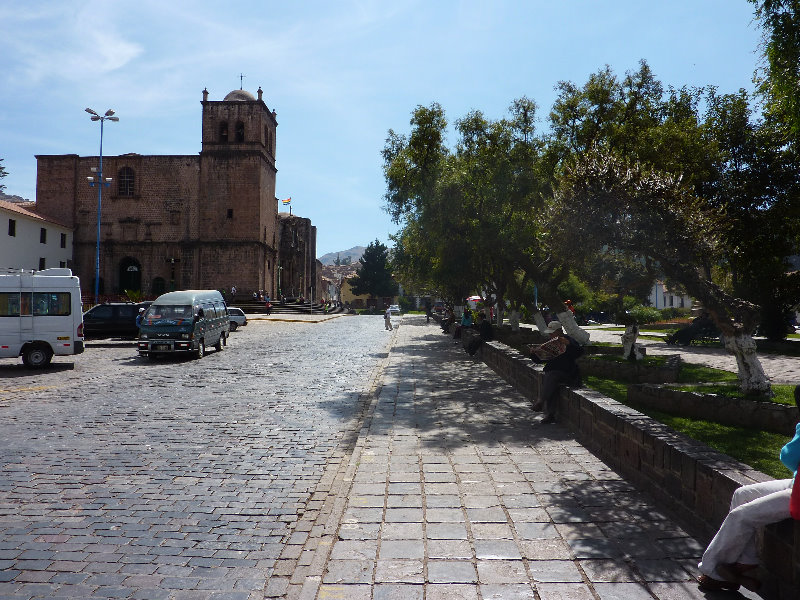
(9, 304)
(51, 304)
(25, 303)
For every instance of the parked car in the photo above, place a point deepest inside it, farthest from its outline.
(394, 309)
(237, 317)
(113, 319)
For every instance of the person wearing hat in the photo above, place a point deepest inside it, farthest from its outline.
(559, 355)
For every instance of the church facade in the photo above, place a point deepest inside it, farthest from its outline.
(178, 222)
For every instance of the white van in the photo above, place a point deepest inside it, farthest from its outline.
(40, 315)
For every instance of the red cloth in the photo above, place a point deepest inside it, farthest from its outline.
(794, 501)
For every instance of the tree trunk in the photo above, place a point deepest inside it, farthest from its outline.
(629, 347)
(752, 378)
(570, 327)
(513, 320)
(541, 324)
(565, 317)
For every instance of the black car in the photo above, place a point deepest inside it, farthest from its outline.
(113, 319)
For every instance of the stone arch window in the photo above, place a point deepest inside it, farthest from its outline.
(223, 132)
(239, 131)
(125, 182)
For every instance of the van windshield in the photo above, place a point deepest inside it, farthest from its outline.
(168, 314)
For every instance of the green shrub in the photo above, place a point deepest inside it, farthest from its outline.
(644, 314)
(406, 304)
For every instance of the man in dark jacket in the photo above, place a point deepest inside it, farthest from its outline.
(559, 367)
(485, 333)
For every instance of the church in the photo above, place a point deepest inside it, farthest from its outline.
(186, 222)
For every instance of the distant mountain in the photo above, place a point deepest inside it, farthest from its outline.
(354, 254)
(17, 199)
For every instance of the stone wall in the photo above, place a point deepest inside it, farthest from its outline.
(739, 412)
(632, 371)
(690, 479)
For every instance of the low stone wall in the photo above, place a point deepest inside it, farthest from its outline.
(738, 412)
(632, 371)
(693, 481)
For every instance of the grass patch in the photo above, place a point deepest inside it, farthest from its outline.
(694, 373)
(653, 338)
(759, 449)
(784, 394)
(650, 361)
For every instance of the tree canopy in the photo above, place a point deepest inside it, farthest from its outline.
(374, 274)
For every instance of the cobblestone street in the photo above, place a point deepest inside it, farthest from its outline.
(173, 478)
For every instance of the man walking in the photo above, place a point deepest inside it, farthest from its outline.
(387, 319)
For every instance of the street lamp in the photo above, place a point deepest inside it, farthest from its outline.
(280, 297)
(100, 182)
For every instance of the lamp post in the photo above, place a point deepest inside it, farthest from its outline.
(100, 182)
(280, 297)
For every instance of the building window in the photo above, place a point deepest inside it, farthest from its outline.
(62, 264)
(125, 180)
(223, 132)
(12, 227)
(41, 264)
(239, 131)
(230, 213)
(63, 240)
(42, 235)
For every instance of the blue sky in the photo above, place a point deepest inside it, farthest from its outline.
(339, 75)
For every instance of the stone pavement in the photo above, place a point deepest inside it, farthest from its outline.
(779, 368)
(455, 491)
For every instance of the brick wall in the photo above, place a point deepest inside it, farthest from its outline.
(690, 479)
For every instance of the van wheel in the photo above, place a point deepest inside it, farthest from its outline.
(201, 350)
(37, 356)
(234, 325)
(218, 345)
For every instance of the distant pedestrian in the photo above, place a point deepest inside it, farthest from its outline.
(139, 318)
(233, 291)
(387, 319)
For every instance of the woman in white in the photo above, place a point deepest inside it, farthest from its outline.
(732, 556)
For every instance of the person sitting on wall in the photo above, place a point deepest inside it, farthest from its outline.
(485, 334)
(559, 355)
(466, 321)
(732, 556)
(447, 319)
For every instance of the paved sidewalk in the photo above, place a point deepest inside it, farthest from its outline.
(457, 491)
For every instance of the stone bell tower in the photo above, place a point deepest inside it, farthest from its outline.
(237, 211)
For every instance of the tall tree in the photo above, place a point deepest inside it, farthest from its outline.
(617, 202)
(374, 274)
(780, 78)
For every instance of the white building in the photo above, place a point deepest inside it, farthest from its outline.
(662, 297)
(29, 241)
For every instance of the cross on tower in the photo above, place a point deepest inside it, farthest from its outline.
(241, 81)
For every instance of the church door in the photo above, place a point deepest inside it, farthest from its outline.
(130, 275)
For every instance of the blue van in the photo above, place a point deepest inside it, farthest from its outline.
(185, 321)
